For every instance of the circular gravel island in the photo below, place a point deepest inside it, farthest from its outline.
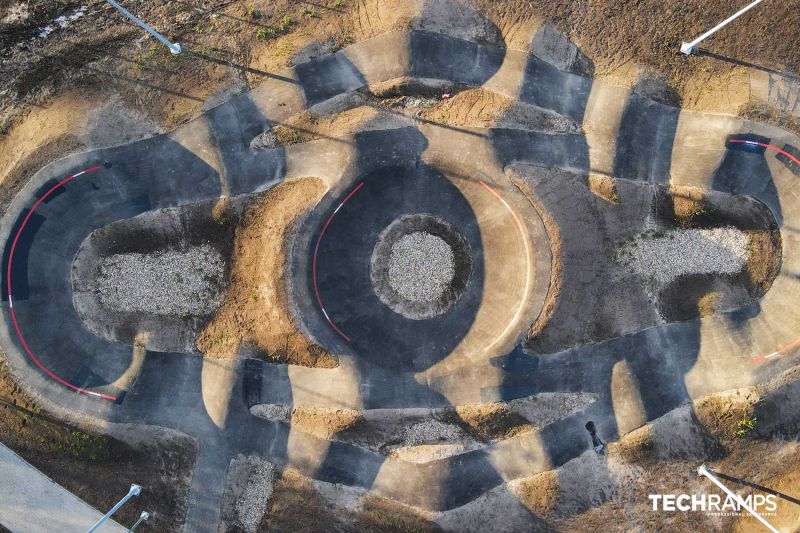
(420, 266)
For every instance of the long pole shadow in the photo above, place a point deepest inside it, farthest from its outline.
(250, 70)
(757, 486)
(726, 59)
(142, 83)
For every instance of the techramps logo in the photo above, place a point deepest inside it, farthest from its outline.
(758, 506)
(715, 504)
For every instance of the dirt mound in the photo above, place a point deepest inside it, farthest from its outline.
(255, 315)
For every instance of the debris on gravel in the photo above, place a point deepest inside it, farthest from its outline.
(665, 256)
(430, 440)
(418, 101)
(272, 412)
(265, 140)
(170, 282)
(421, 266)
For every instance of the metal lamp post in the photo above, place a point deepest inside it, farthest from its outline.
(134, 491)
(144, 517)
(688, 48)
(175, 48)
(704, 472)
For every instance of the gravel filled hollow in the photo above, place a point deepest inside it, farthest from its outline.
(421, 266)
(667, 256)
(170, 282)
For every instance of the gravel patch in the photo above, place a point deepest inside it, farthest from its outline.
(272, 411)
(433, 431)
(252, 504)
(548, 407)
(431, 440)
(171, 282)
(264, 141)
(418, 101)
(664, 257)
(421, 266)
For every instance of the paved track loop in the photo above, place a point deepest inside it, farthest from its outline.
(11, 301)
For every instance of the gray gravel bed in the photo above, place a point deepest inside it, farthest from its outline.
(252, 504)
(663, 257)
(421, 266)
(186, 282)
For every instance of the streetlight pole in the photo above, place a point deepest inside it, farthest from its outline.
(134, 491)
(144, 517)
(704, 472)
(175, 48)
(688, 48)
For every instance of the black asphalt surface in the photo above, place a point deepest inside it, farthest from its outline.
(380, 336)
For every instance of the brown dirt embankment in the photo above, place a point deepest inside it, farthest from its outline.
(255, 314)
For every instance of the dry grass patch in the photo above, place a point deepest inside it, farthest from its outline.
(687, 206)
(539, 493)
(491, 422)
(763, 258)
(296, 505)
(729, 415)
(98, 468)
(635, 446)
(762, 112)
(708, 303)
(604, 187)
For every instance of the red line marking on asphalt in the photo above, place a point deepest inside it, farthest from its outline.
(11, 302)
(759, 358)
(314, 261)
(768, 146)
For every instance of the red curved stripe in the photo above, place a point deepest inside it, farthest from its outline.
(11, 301)
(314, 261)
(768, 146)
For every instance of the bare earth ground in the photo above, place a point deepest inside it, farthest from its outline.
(101, 82)
(97, 468)
(255, 312)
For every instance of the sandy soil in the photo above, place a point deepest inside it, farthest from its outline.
(97, 468)
(255, 315)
